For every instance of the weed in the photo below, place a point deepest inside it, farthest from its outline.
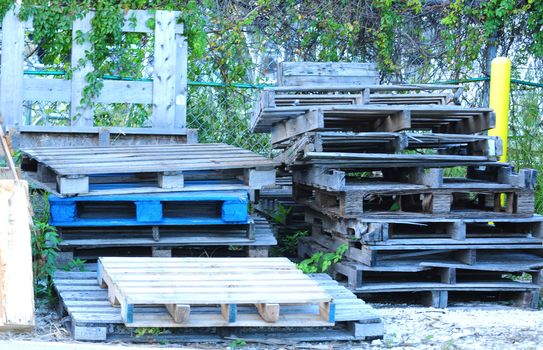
(237, 343)
(287, 244)
(75, 265)
(143, 331)
(45, 243)
(321, 262)
(281, 214)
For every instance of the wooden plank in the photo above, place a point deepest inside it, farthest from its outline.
(301, 73)
(113, 91)
(136, 21)
(181, 79)
(11, 70)
(16, 282)
(164, 69)
(82, 115)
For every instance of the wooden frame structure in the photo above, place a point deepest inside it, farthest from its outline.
(166, 92)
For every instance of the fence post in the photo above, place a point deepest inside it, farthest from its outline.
(500, 85)
(11, 71)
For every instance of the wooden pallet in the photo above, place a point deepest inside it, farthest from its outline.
(174, 208)
(442, 275)
(380, 198)
(288, 122)
(285, 96)
(444, 280)
(376, 229)
(183, 284)
(92, 316)
(389, 142)
(72, 171)
(465, 252)
(89, 243)
(332, 178)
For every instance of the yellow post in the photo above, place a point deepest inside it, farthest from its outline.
(500, 85)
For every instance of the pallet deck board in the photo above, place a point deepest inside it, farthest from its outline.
(73, 170)
(264, 294)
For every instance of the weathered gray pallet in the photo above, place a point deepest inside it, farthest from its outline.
(433, 229)
(93, 317)
(170, 166)
(90, 243)
(389, 198)
(331, 178)
(351, 142)
(302, 73)
(465, 251)
(288, 122)
(182, 285)
(332, 94)
(441, 275)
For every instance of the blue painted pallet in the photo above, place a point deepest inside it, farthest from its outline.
(173, 208)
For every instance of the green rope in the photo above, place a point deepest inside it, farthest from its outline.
(262, 86)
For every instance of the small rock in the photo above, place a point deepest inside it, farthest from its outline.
(376, 342)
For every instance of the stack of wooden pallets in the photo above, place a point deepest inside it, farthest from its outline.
(152, 199)
(408, 180)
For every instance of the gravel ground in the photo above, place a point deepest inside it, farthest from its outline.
(467, 326)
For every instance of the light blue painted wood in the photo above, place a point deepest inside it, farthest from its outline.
(232, 312)
(234, 211)
(332, 314)
(63, 211)
(127, 313)
(149, 209)
(232, 195)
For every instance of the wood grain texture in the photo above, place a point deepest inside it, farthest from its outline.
(16, 281)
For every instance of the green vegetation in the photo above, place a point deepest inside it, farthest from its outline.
(237, 343)
(45, 247)
(151, 331)
(320, 262)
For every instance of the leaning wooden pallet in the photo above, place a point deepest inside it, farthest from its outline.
(16, 281)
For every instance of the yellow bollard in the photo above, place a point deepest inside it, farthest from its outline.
(500, 86)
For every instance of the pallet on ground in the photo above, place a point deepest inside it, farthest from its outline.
(184, 284)
(438, 276)
(369, 198)
(389, 143)
(288, 122)
(93, 316)
(439, 282)
(72, 171)
(174, 208)
(420, 229)
(467, 252)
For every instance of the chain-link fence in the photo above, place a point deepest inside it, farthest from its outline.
(223, 114)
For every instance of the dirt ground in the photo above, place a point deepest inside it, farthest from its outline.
(463, 326)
